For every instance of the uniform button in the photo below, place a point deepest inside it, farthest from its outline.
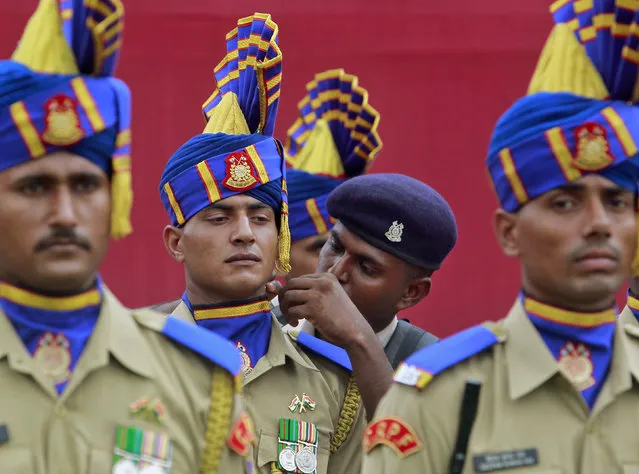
(591, 428)
(60, 412)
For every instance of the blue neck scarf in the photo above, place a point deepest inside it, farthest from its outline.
(245, 323)
(54, 329)
(582, 343)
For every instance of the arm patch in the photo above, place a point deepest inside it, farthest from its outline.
(393, 432)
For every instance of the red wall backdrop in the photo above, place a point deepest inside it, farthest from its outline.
(440, 73)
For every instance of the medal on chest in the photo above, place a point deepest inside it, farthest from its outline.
(54, 356)
(138, 451)
(576, 365)
(247, 363)
(297, 446)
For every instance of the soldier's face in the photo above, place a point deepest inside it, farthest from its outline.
(228, 249)
(576, 243)
(55, 221)
(305, 255)
(378, 283)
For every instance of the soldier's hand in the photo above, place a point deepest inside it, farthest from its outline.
(273, 288)
(321, 300)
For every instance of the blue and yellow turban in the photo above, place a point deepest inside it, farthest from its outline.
(579, 115)
(236, 153)
(334, 138)
(57, 93)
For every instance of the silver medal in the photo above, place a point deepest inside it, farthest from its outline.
(287, 459)
(152, 469)
(124, 466)
(306, 461)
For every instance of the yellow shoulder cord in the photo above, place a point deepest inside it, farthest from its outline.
(274, 469)
(347, 414)
(219, 420)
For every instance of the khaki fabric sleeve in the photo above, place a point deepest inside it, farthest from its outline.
(413, 431)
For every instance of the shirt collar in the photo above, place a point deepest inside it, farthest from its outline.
(184, 313)
(526, 348)
(385, 334)
(630, 327)
(279, 347)
(10, 344)
(625, 359)
(116, 333)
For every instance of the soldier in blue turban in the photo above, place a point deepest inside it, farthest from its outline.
(88, 385)
(551, 386)
(225, 192)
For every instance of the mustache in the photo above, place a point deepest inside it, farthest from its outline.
(579, 253)
(66, 234)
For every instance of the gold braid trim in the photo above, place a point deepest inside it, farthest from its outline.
(274, 469)
(347, 414)
(219, 420)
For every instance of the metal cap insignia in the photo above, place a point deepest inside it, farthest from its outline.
(394, 232)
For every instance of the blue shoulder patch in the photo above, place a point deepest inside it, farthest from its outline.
(325, 349)
(206, 343)
(422, 366)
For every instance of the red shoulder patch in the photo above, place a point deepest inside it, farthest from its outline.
(393, 432)
(242, 435)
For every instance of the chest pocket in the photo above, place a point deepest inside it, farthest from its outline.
(631, 469)
(16, 460)
(267, 453)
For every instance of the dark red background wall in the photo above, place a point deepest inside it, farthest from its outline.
(440, 73)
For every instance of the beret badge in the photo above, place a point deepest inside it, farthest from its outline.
(394, 232)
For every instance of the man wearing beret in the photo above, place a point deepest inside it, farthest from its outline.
(552, 387)
(392, 233)
(225, 193)
(88, 385)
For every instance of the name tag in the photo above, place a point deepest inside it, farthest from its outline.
(505, 460)
(4, 434)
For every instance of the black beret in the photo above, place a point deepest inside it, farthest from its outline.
(397, 214)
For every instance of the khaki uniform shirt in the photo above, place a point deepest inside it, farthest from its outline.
(527, 413)
(627, 317)
(284, 372)
(125, 359)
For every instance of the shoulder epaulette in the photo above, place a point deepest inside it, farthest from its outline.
(420, 368)
(322, 348)
(204, 342)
